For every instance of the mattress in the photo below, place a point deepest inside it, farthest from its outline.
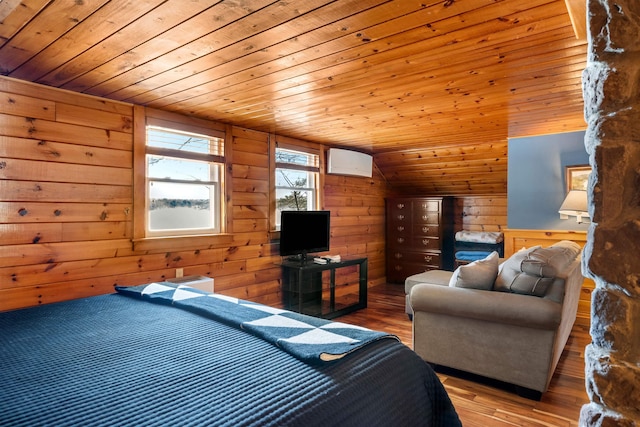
(116, 360)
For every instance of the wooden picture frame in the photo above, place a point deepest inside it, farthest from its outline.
(577, 177)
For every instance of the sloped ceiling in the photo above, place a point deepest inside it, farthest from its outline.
(432, 89)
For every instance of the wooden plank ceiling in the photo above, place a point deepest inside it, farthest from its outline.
(432, 88)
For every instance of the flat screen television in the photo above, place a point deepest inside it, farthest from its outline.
(304, 232)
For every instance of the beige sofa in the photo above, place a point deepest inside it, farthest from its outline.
(513, 328)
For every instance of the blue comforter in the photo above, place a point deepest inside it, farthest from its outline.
(118, 361)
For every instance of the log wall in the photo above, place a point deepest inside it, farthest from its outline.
(66, 207)
(480, 213)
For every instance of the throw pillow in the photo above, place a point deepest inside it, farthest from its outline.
(546, 262)
(479, 274)
(531, 271)
(510, 269)
(537, 268)
(527, 284)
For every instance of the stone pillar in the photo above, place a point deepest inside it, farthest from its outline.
(611, 85)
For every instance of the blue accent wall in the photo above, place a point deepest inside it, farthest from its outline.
(536, 180)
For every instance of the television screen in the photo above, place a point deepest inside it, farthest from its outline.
(303, 232)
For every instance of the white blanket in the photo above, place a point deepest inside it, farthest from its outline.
(479, 236)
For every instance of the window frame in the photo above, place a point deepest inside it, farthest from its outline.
(210, 161)
(294, 145)
(142, 238)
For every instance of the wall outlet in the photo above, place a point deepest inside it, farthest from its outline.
(179, 272)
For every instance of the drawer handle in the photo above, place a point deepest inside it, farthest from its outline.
(425, 217)
(398, 255)
(400, 217)
(425, 229)
(400, 228)
(428, 258)
(400, 239)
(400, 205)
(425, 242)
(398, 267)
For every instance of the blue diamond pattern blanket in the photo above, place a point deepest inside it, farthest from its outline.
(308, 338)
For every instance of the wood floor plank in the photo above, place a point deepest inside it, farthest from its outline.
(482, 403)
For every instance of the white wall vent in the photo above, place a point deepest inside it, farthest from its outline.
(347, 162)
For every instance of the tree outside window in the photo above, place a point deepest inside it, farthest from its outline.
(296, 181)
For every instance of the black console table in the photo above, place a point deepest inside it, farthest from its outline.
(305, 291)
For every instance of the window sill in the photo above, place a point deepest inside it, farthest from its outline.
(174, 243)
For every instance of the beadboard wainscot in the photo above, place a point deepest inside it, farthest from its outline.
(66, 206)
(515, 239)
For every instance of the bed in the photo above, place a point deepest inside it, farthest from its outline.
(163, 354)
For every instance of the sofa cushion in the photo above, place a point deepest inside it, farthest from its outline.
(434, 277)
(546, 262)
(479, 274)
(531, 271)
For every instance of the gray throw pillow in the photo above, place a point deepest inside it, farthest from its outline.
(547, 262)
(479, 274)
(537, 268)
(526, 284)
(531, 271)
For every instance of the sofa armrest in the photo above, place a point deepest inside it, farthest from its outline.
(490, 306)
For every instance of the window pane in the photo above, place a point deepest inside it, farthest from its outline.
(176, 206)
(295, 190)
(289, 178)
(162, 167)
(184, 141)
(296, 157)
(295, 200)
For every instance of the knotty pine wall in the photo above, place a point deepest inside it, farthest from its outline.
(480, 213)
(66, 207)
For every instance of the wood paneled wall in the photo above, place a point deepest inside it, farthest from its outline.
(480, 213)
(66, 207)
(65, 195)
(358, 219)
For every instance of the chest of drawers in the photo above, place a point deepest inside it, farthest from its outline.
(419, 236)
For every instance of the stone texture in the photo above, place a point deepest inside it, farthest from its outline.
(622, 316)
(613, 242)
(593, 415)
(613, 383)
(614, 26)
(611, 85)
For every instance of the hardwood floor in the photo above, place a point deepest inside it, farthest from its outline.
(484, 404)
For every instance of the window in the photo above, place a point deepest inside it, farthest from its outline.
(296, 181)
(180, 182)
(184, 181)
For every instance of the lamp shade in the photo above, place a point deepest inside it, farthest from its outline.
(575, 204)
